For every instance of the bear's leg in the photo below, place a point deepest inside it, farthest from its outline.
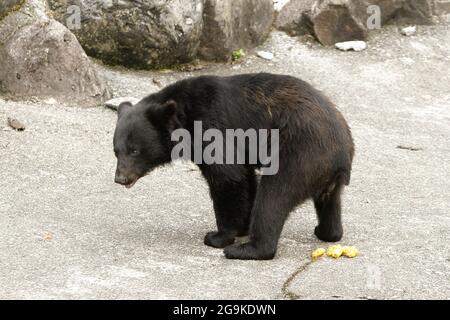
(328, 208)
(233, 201)
(276, 196)
(252, 184)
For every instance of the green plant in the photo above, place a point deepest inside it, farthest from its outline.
(237, 54)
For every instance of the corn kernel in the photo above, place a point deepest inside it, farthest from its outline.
(350, 251)
(317, 253)
(334, 251)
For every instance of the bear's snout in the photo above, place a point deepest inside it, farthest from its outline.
(125, 180)
(121, 179)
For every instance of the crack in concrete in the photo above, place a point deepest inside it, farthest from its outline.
(285, 288)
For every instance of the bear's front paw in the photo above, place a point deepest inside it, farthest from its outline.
(248, 251)
(218, 239)
(329, 234)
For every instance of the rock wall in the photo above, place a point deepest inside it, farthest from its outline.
(44, 58)
(161, 33)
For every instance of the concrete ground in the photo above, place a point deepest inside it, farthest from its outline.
(67, 231)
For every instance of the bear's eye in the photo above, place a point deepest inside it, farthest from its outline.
(134, 152)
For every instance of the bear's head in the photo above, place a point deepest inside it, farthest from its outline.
(142, 138)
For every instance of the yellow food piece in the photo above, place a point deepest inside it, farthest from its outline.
(317, 253)
(334, 251)
(350, 251)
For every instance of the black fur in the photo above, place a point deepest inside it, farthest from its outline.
(316, 152)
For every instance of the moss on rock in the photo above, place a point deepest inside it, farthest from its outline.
(12, 7)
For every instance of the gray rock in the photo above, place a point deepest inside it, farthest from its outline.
(15, 124)
(294, 17)
(398, 11)
(232, 25)
(137, 34)
(334, 21)
(43, 59)
(345, 20)
(115, 103)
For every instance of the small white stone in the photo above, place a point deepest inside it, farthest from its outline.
(265, 55)
(279, 4)
(50, 101)
(351, 45)
(114, 103)
(189, 21)
(408, 31)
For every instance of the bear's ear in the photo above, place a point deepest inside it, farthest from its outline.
(164, 116)
(122, 107)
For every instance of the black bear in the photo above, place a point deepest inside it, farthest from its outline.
(315, 153)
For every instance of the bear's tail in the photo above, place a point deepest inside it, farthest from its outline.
(342, 177)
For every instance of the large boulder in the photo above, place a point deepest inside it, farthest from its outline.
(294, 17)
(232, 25)
(334, 21)
(345, 20)
(42, 59)
(136, 34)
